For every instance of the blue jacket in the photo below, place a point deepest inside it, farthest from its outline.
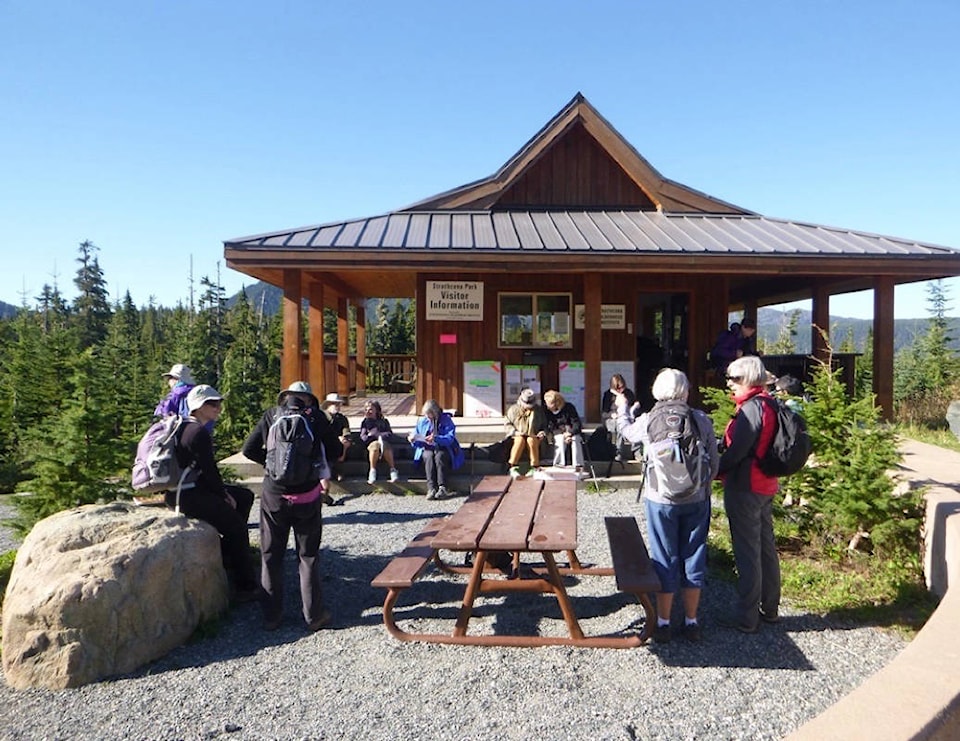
(444, 437)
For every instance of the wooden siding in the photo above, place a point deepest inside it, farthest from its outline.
(575, 172)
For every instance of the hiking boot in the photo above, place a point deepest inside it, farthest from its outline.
(735, 623)
(515, 472)
(372, 476)
(273, 623)
(320, 621)
(661, 634)
(692, 632)
(394, 475)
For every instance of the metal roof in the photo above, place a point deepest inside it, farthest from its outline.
(573, 232)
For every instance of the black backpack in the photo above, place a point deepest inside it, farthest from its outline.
(790, 446)
(677, 461)
(291, 456)
(600, 447)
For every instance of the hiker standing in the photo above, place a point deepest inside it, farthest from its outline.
(748, 497)
(680, 461)
(288, 442)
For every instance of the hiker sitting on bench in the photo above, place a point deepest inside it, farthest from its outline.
(527, 425)
(564, 423)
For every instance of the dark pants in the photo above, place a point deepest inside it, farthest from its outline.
(277, 518)
(436, 464)
(230, 523)
(755, 552)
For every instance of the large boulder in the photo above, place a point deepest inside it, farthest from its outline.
(104, 589)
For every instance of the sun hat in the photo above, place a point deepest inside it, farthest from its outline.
(527, 398)
(200, 395)
(298, 387)
(332, 398)
(181, 372)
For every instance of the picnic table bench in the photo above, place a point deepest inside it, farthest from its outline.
(522, 516)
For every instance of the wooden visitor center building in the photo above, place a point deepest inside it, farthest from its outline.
(576, 253)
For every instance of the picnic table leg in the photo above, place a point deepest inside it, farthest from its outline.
(561, 594)
(470, 593)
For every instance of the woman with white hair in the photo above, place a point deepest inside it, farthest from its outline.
(435, 442)
(748, 496)
(677, 503)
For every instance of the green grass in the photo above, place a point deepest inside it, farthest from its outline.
(941, 438)
(846, 587)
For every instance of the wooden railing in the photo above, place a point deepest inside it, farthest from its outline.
(391, 373)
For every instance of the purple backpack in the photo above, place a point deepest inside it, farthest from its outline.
(156, 467)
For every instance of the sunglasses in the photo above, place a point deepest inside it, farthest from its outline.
(735, 379)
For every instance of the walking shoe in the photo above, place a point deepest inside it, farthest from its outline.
(734, 622)
(271, 624)
(372, 476)
(692, 632)
(661, 634)
(323, 619)
(394, 476)
(431, 493)
(442, 493)
(770, 617)
(515, 472)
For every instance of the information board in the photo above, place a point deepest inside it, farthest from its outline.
(624, 367)
(519, 377)
(482, 389)
(572, 383)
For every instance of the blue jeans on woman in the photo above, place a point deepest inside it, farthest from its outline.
(677, 535)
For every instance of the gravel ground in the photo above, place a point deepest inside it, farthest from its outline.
(353, 681)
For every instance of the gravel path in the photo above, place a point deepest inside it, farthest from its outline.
(355, 682)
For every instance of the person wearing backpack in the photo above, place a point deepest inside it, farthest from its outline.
(180, 380)
(225, 507)
(680, 461)
(289, 441)
(748, 496)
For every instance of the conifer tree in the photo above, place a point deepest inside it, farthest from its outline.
(91, 306)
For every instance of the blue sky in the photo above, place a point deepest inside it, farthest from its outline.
(157, 130)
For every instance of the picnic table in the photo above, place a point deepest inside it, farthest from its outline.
(520, 517)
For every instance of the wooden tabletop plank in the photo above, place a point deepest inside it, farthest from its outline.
(555, 522)
(463, 528)
(510, 525)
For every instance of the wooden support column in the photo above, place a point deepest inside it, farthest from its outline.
(316, 375)
(343, 347)
(592, 299)
(292, 340)
(883, 345)
(361, 348)
(821, 318)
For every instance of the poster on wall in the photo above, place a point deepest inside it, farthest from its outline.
(572, 384)
(519, 377)
(482, 389)
(623, 367)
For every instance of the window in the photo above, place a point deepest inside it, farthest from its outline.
(536, 320)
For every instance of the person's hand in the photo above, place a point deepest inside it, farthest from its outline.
(567, 437)
(541, 434)
(620, 401)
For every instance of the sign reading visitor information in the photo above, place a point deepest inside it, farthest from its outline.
(572, 384)
(455, 300)
(482, 389)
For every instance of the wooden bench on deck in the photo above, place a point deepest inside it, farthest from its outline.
(632, 567)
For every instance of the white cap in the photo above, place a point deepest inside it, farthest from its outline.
(200, 395)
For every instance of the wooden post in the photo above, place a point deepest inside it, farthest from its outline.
(317, 376)
(883, 344)
(292, 341)
(343, 347)
(361, 349)
(592, 346)
(821, 318)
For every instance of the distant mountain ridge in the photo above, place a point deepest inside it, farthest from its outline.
(7, 310)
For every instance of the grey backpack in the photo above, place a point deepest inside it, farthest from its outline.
(677, 463)
(291, 450)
